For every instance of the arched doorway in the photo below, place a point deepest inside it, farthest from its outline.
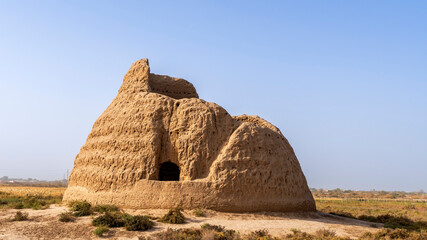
(169, 172)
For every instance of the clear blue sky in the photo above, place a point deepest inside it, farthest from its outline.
(345, 81)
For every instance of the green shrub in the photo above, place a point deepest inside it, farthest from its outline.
(110, 220)
(138, 223)
(131, 223)
(179, 234)
(226, 235)
(260, 235)
(125, 217)
(325, 233)
(99, 231)
(219, 232)
(174, 216)
(388, 220)
(66, 217)
(199, 213)
(216, 228)
(20, 216)
(18, 205)
(197, 234)
(393, 222)
(105, 208)
(79, 205)
(35, 202)
(80, 208)
(394, 234)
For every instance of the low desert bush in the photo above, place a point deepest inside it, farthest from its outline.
(105, 208)
(393, 222)
(218, 232)
(20, 216)
(389, 221)
(99, 231)
(80, 208)
(109, 220)
(116, 219)
(66, 217)
(199, 212)
(326, 233)
(33, 202)
(125, 216)
(37, 203)
(208, 232)
(83, 208)
(174, 216)
(394, 234)
(78, 205)
(384, 234)
(216, 228)
(179, 234)
(322, 234)
(18, 205)
(260, 235)
(138, 223)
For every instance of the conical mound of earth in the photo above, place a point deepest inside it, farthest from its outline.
(159, 146)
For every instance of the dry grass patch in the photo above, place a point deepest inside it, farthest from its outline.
(33, 191)
(199, 212)
(20, 216)
(66, 217)
(174, 216)
(393, 214)
(99, 231)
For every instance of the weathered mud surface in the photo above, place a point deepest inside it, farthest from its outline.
(226, 163)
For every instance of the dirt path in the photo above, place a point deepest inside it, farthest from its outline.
(44, 224)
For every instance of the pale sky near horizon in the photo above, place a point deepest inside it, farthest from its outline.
(345, 81)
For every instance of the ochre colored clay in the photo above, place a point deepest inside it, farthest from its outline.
(234, 164)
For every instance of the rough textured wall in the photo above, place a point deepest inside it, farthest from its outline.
(173, 87)
(226, 163)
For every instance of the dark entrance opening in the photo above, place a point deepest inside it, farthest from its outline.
(169, 172)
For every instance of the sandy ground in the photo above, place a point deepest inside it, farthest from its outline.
(44, 224)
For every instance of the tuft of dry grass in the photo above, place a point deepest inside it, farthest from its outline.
(29, 197)
(66, 217)
(99, 231)
(206, 232)
(20, 191)
(20, 216)
(199, 212)
(394, 234)
(174, 216)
